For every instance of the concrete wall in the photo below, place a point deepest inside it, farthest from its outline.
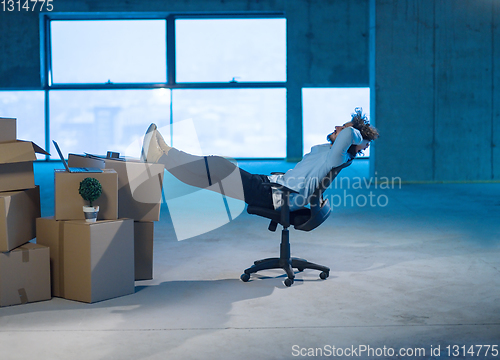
(436, 95)
(327, 46)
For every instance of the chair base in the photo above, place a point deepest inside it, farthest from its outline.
(285, 262)
(287, 265)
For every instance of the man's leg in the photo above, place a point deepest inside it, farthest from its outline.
(214, 173)
(202, 171)
(218, 174)
(256, 193)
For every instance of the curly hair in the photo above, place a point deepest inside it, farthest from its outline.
(361, 122)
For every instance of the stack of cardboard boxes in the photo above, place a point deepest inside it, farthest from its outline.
(101, 260)
(139, 198)
(72, 258)
(24, 266)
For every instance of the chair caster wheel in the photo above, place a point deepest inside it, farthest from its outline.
(245, 277)
(288, 282)
(300, 269)
(324, 275)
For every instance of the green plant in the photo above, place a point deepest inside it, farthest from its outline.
(90, 189)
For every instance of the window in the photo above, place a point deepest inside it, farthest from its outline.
(224, 92)
(29, 110)
(241, 50)
(230, 122)
(118, 51)
(325, 108)
(97, 121)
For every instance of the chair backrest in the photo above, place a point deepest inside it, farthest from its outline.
(328, 179)
(317, 198)
(320, 210)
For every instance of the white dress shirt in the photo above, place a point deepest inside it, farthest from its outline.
(306, 175)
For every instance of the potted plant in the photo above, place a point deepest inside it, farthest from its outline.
(90, 190)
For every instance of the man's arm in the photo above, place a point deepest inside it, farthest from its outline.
(338, 151)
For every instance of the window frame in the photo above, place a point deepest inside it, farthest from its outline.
(170, 81)
(170, 18)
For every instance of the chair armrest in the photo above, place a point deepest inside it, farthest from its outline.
(280, 187)
(285, 207)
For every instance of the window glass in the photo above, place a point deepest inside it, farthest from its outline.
(218, 50)
(98, 51)
(325, 108)
(29, 110)
(97, 121)
(230, 122)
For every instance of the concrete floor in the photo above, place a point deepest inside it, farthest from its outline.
(423, 271)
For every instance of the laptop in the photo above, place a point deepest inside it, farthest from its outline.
(73, 169)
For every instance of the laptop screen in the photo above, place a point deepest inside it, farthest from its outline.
(61, 155)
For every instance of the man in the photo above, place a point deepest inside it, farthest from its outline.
(221, 175)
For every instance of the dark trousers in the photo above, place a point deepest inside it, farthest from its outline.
(218, 174)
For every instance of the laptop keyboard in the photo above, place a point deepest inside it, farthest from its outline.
(80, 170)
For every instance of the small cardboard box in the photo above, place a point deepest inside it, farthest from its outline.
(143, 245)
(24, 275)
(16, 164)
(98, 259)
(68, 202)
(49, 232)
(8, 130)
(139, 189)
(139, 185)
(18, 213)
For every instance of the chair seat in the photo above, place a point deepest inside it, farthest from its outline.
(297, 217)
(301, 219)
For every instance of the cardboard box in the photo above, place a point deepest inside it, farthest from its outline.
(16, 164)
(98, 259)
(139, 185)
(18, 213)
(139, 189)
(68, 202)
(25, 275)
(8, 130)
(143, 249)
(49, 232)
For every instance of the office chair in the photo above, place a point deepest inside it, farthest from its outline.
(305, 219)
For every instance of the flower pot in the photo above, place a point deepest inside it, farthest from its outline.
(90, 213)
